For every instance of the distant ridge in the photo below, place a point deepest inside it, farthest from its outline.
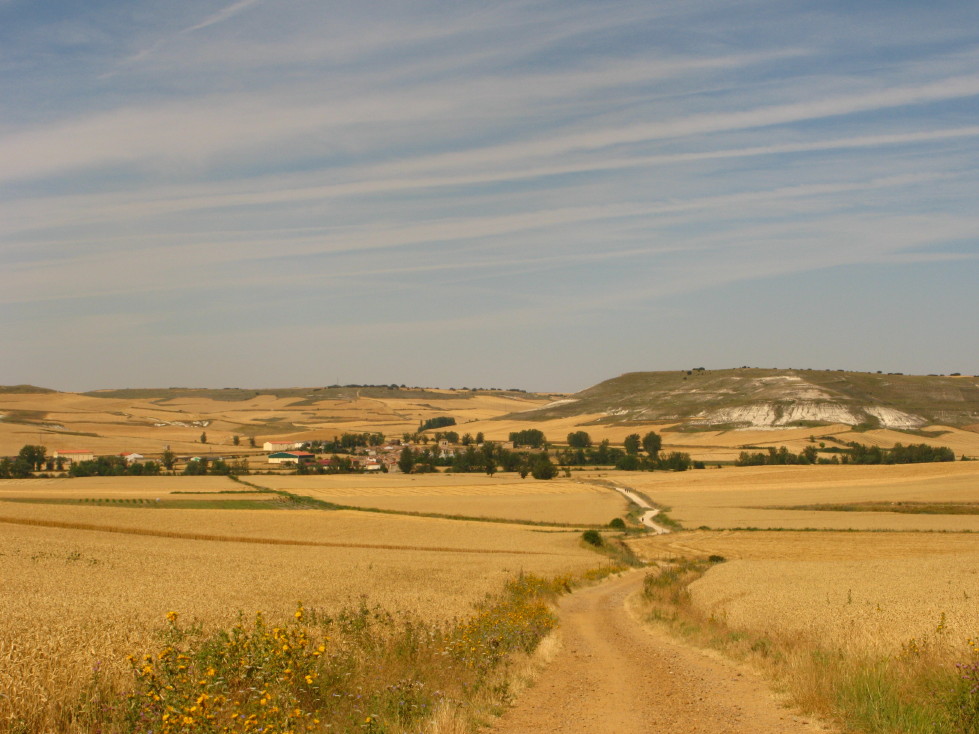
(24, 390)
(754, 397)
(332, 392)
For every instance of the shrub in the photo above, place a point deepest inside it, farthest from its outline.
(618, 523)
(593, 537)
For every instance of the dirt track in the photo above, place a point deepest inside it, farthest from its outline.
(616, 676)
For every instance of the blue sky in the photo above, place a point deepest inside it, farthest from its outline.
(509, 194)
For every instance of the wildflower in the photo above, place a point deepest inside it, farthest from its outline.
(172, 617)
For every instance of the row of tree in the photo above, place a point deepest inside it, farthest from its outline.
(778, 457)
(651, 443)
(854, 453)
(438, 422)
(218, 467)
(450, 436)
(113, 466)
(919, 453)
(489, 458)
(345, 443)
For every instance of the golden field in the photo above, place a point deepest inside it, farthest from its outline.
(736, 497)
(84, 586)
(110, 425)
(470, 495)
(870, 592)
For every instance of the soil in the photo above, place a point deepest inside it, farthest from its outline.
(615, 675)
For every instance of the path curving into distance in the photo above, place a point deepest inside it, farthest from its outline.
(615, 675)
(647, 517)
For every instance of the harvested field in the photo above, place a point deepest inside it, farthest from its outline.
(470, 495)
(866, 592)
(746, 496)
(76, 599)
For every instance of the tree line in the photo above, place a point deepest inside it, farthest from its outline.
(489, 458)
(345, 443)
(854, 453)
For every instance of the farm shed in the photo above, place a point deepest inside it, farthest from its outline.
(291, 457)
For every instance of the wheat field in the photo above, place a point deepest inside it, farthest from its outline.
(469, 495)
(862, 592)
(85, 586)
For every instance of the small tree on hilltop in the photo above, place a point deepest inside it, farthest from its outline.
(236, 439)
(203, 437)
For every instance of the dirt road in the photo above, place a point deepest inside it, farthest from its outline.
(616, 676)
(650, 511)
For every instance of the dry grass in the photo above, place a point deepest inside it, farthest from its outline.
(470, 495)
(743, 496)
(76, 599)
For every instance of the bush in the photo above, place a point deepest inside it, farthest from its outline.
(593, 537)
(618, 523)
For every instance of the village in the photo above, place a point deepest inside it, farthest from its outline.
(306, 457)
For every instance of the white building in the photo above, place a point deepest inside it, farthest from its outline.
(72, 456)
(281, 445)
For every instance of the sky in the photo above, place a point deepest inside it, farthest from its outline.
(531, 194)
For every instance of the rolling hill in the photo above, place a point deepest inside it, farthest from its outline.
(703, 399)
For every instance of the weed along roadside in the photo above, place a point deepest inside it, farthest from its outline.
(928, 686)
(359, 669)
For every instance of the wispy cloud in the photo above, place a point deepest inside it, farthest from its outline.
(461, 165)
(222, 15)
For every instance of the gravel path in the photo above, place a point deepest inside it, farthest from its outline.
(647, 517)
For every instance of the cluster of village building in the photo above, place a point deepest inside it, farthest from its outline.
(295, 452)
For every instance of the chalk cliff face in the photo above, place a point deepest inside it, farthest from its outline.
(808, 411)
(759, 398)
